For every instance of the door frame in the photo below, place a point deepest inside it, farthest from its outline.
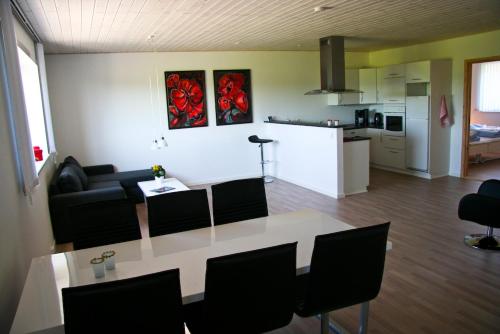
(467, 110)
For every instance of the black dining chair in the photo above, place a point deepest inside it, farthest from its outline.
(346, 269)
(239, 200)
(178, 211)
(482, 208)
(103, 223)
(246, 293)
(145, 304)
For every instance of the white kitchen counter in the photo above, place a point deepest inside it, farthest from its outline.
(308, 156)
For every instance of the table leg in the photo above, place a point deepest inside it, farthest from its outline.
(363, 319)
(325, 323)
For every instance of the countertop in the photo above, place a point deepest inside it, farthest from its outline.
(323, 125)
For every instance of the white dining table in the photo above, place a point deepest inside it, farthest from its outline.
(40, 307)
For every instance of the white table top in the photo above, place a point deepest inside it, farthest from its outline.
(147, 186)
(40, 306)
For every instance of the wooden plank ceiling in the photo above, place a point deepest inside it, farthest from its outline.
(82, 26)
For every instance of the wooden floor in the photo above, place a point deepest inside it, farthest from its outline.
(432, 283)
(484, 171)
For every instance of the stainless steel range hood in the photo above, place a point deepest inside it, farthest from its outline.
(332, 61)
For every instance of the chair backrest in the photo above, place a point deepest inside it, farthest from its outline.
(346, 268)
(250, 292)
(178, 211)
(490, 188)
(239, 200)
(145, 304)
(105, 222)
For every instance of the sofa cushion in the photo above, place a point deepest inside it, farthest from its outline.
(127, 179)
(68, 180)
(103, 184)
(79, 171)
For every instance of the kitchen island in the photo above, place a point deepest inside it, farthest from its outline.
(315, 156)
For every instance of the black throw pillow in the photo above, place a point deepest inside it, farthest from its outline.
(70, 159)
(68, 181)
(72, 162)
(81, 175)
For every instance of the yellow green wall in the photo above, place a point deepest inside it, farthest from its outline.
(458, 50)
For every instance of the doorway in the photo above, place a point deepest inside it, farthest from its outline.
(481, 119)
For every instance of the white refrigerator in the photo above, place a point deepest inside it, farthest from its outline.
(417, 133)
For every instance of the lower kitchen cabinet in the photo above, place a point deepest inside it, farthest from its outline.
(393, 158)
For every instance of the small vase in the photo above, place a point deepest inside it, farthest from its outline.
(159, 180)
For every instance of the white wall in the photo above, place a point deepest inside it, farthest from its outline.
(25, 226)
(102, 113)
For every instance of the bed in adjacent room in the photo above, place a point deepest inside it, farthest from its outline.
(484, 142)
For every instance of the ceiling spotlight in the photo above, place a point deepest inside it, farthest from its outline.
(237, 43)
(151, 37)
(322, 8)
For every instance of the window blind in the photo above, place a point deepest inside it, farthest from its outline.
(488, 90)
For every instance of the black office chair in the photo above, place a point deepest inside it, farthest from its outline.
(103, 223)
(178, 211)
(256, 140)
(246, 293)
(145, 304)
(482, 208)
(239, 200)
(346, 269)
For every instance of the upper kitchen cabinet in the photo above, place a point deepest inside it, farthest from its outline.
(368, 85)
(418, 72)
(393, 90)
(391, 84)
(393, 71)
(347, 98)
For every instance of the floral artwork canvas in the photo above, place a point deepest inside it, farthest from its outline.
(186, 99)
(233, 97)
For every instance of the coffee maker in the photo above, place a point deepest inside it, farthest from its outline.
(378, 120)
(361, 118)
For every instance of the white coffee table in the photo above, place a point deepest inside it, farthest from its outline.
(148, 186)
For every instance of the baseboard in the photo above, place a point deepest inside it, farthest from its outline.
(313, 188)
(423, 175)
(359, 191)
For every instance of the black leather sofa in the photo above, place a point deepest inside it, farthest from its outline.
(73, 185)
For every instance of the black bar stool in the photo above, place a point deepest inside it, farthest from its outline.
(261, 142)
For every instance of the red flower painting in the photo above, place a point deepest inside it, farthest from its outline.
(186, 99)
(233, 96)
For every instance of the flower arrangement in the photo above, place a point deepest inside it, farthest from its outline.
(158, 171)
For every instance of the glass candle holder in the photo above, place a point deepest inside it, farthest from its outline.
(109, 259)
(98, 266)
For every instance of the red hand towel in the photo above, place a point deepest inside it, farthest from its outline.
(443, 113)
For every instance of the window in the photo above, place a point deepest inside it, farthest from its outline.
(488, 83)
(34, 104)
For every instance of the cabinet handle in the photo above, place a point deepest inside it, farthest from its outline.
(393, 100)
(340, 99)
(416, 79)
(362, 97)
(395, 152)
(393, 74)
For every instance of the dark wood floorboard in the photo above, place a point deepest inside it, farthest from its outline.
(432, 283)
(484, 171)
